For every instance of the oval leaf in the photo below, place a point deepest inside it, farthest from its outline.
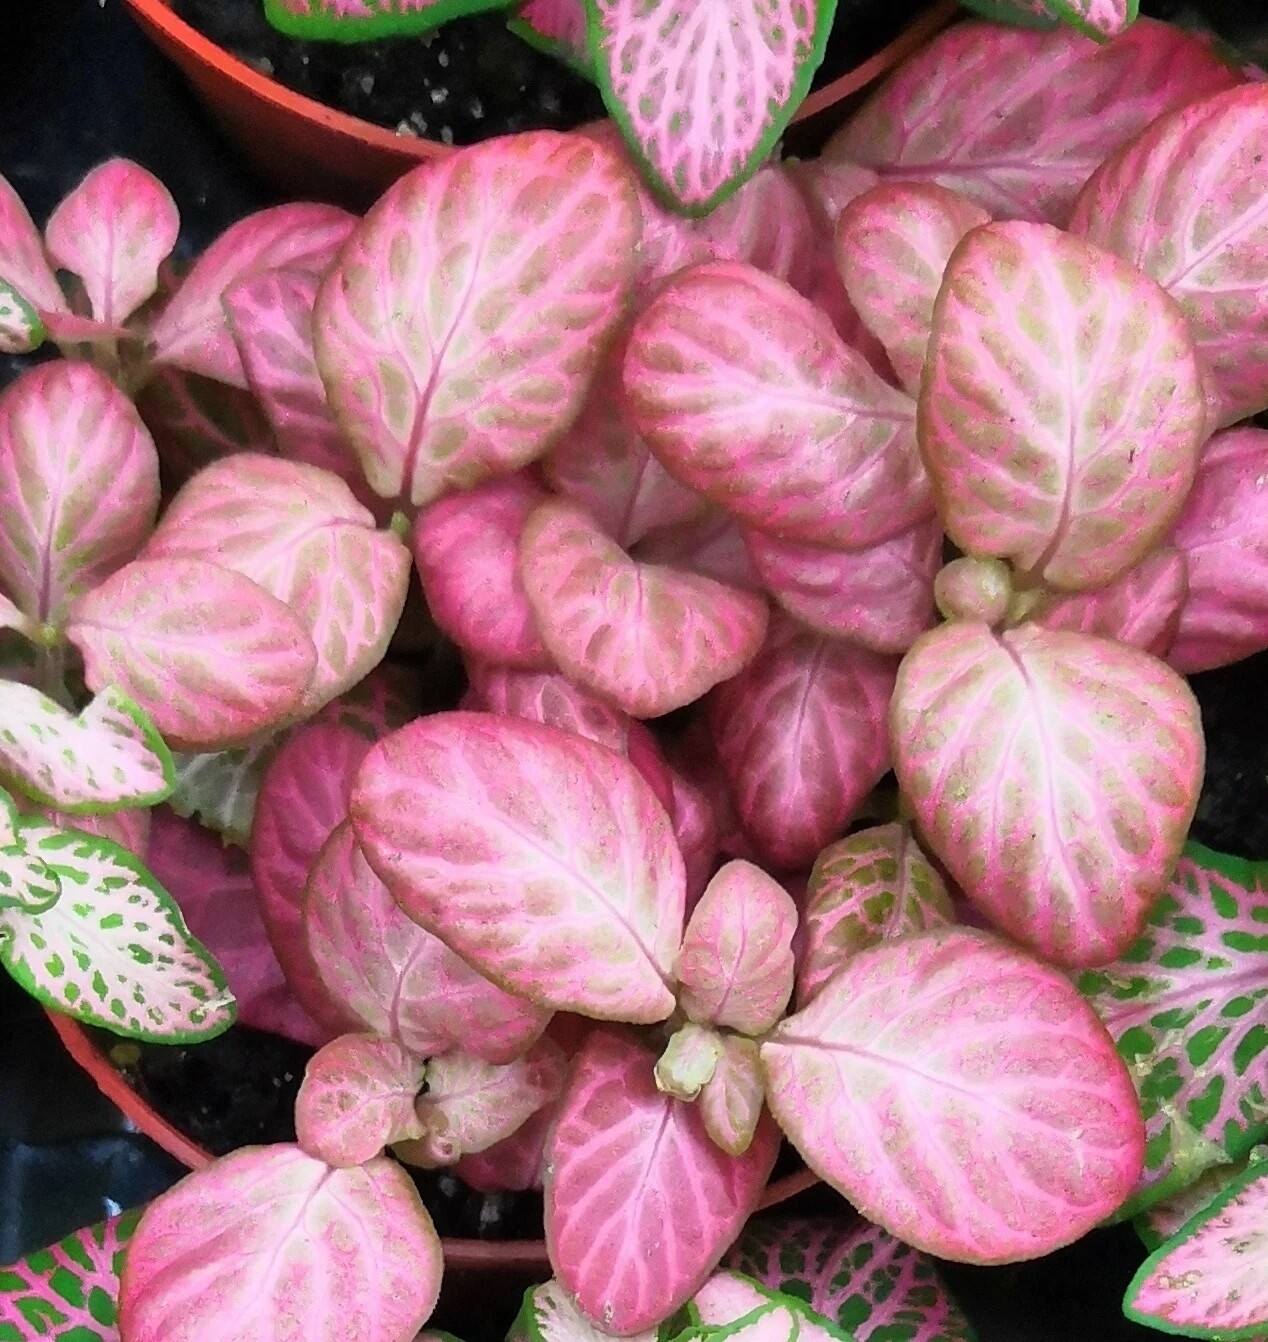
(448, 811)
(732, 1099)
(1036, 1133)
(24, 266)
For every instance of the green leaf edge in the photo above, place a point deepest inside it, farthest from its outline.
(327, 28)
(1067, 14)
(719, 1332)
(558, 51)
(39, 332)
(1002, 11)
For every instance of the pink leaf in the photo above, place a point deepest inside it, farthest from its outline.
(646, 637)
(880, 597)
(210, 656)
(968, 113)
(892, 245)
(396, 978)
(193, 331)
(732, 1099)
(695, 756)
(113, 231)
(449, 813)
(980, 589)
(130, 829)
(357, 1097)
(696, 829)
(1054, 774)
(828, 186)
(640, 1204)
(514, 1164)
(557, 27)
(269, 1245)
(467, 548)
(1223, 535)
(1065, 442)
(801, 736)
(900, 1090)
(23, 264)
(451, 354)
(709, 544)
(79, 475)
(747, 394)
(736, 961)
(1183, 203)
(299, 534)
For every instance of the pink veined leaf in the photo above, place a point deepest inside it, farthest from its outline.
(801, 735)
(871, 887)
(828, 186)
(23, 263)
(557, 27)
(303, 798)
(640, 1203)
(113, 231)
(899, 1090)
(193, 332)
(880, 597)
(449, 811)
(828, 294)
(516, 1163)
(735, 967)
(299, 534)
(1061, 412)
(968, 113)
(702, 102)
(891, 246)
(1064, 837)
(732, 1099)
(467, 548)
(269, 1245)
(211, 883)
(397, 979)
(454, 354)
(1182, 203)
(211, 657)
(1143, 608)
(747, 394)
(1223, 536)
(649, 638)
(357, 1097)
(709, 544)
(1210, 1279)
(696, 829)
(80, 480)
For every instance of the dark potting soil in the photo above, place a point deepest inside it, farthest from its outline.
(471, 79)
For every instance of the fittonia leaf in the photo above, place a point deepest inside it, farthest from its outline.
(733, 1099)
(732, 1306)
(1165, 1219)
(24, 267)
(357, 20)
(221, 787)
(1211, 1278)
(113, 950)
(27, 885)
(557, 27)
(22, 330)
(548, 1314)
(1185, 1005)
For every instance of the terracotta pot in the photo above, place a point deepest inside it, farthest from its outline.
(307, 149)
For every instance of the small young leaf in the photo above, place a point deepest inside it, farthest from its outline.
(549, 1315)
(454, 354)
(689, 1060)
(624, 1158)
(268, 1238)
(1063, 838)
(114, 231)
(733, 1097)
(24, 267)
(646, 637)
(220, 788)
(449, 813)
(898, 1088)
(211, 656)
(557, 27)
(1099, 19)
(22, 330)
(113, 950)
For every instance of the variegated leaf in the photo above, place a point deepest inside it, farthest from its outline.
(24, 266)
(220, 788)
(729, 1306)
(1167, 1218)
(549, 1314)
(22, 330)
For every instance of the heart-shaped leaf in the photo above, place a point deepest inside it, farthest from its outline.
(209, 655)
(467, 548)
(297, 532)
(193, 331)
(549, 1315)
(453, 354)
(396, 978)
(891, 246)
(114, 231)
(732, 1099)
(747, 394)
(963, 1141)
(448, 812)
(1067, 442)
(966, 112)
(557, 27)
(874, 886)
(709, 544)
(357, 1097)
(1065, 836)
(79, 475)
(220, 788)
(625, 1158)
(801, 735)
(646, 637)
(1211, 1280)
(1185, 1005)
(285, 1248)
(1223, 535)
(736, 961)
(1182, 203)
(880, 597)
(113, 950)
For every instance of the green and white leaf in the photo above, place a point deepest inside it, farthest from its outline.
(27, 886)
(21, 330)
(219, 789)
(733, 1306)
(549, 1315)
(113, 950)
(1168, 1217)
